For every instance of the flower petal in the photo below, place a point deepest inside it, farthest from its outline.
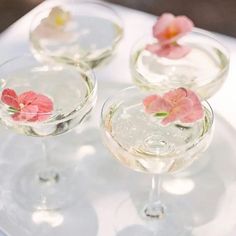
(183, 108)
(162, 23)
(153, 48)
(156, 104)
(194, 116)
(174, 96)
(149, 99)
(180, 26)
(184, 24)
(169, 51)
(169, 28)
(58, 17)
(53, 26)
(197, 109)
(26, 114)
(9, 97)
(27, 98)
(178, 51)
(37, 107)
(179, 104)
(44, 103)
(45, 107)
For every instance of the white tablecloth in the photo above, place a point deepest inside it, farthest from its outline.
(14, 42)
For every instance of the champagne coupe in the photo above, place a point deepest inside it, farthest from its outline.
(140, 142)
(203, 70)
(68, 33)
(44, 184)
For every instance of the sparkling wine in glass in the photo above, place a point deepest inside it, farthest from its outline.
(72, 90)
(203, 70)
(140, 142)
(68, 33)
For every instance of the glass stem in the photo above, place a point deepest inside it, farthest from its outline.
(155, 192)
(44, 150)
(47, 174)
(154, 209)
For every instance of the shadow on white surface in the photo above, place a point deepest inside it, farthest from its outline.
(205, 191)
(137, 230)
(209, 191)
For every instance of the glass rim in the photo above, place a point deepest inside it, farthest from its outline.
(71, 4)
(49, 56)
(195, 30)
(55, 112)
(205, 104)
(105, 5)
(135, 48)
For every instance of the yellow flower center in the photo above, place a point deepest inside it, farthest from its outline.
(60, 20)
(171, 32)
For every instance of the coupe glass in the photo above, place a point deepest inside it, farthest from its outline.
(203, 70)
(89, 32)
(141, 143)
(44, 184)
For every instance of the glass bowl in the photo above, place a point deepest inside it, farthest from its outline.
(203, 70)
(44, 184)
(140, 142)
(76, 32)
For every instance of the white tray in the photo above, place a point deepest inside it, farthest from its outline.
(103, 183)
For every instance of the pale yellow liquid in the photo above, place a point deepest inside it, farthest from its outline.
(140, 142)
(91, 40)
(203, 70)
(70, 91)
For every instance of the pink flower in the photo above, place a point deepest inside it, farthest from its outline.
(169, 51)
(179, 104)
(9, 97)
(167, 30)
(156, 104)
(28, 106)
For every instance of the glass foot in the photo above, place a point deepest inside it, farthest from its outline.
(133, 217)
(153, 211)
(38, 186)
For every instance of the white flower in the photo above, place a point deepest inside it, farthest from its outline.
(54, 25)
(57, 18)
